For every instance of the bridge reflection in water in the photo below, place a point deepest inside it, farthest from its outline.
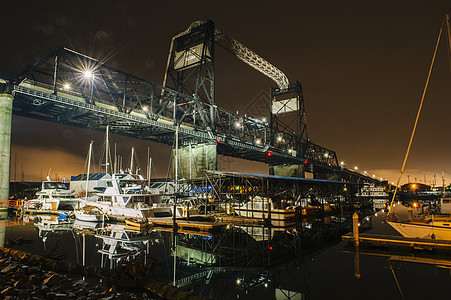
(222, 265)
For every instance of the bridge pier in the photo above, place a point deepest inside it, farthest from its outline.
(194, 158)
(6, 104)
(287, 170)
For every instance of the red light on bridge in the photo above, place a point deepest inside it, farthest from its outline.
(270, 247)
(218, 141)
(269, 153)
(305, 162)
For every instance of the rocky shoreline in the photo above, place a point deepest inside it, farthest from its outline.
(28, 276)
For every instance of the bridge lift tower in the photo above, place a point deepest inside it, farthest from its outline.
(191, 70)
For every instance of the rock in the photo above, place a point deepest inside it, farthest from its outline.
(10, 291)
(52, 280)
(19, 283)
(35, 279)
(9, 268)
(81, 298)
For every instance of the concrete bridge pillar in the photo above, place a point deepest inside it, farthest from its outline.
(287, 170)
(194, 158)
(6, 105)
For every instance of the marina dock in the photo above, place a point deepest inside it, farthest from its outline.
(376, 240)
(188, 224)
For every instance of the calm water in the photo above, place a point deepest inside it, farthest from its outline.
(304, 262)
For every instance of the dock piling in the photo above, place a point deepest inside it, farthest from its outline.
(355, 229)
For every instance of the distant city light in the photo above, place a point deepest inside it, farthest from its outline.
(356, 168)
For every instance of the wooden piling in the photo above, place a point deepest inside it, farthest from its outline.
(355, 229)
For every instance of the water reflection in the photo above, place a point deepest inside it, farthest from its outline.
(241, 261)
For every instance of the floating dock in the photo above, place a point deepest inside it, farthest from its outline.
(188, 224)
(366, 239)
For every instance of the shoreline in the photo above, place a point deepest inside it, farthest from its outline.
(30, 276)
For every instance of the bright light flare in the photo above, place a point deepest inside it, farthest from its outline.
(87, 74)
(66, 86)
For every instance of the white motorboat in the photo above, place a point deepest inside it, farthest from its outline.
(126, 195)
(52, 196)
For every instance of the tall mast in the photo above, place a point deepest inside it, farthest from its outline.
(131, 160)
(89, 166)
(107, 148)
(448, 25)
(115, 158)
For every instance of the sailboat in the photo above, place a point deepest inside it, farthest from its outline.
(434, 226)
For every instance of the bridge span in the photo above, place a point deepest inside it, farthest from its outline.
(74, 89)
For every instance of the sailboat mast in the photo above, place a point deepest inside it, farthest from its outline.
(131, 161)
(448, 26)
(107, 148)
(89, 166)
(115, 158)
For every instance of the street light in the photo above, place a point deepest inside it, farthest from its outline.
(88, 74)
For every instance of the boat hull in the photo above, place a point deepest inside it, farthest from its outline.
(89, 217)
(422, 230)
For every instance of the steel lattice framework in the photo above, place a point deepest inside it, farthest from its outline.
(74, 89)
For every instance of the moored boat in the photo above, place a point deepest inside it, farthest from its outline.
(265, 208)
(90, 213)
(53, 196)
(126, 196)
(139, 223)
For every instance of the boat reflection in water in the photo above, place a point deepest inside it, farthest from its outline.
(237, 261)
(119, 243)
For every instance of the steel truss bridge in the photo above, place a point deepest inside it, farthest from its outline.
(74, 89)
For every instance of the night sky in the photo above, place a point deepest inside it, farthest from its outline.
(362, 64)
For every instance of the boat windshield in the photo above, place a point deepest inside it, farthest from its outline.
(54, 185)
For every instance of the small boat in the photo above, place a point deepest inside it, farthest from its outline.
(140, 223)
(90, 213)
(265, 208)
(52, 196)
